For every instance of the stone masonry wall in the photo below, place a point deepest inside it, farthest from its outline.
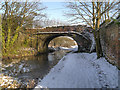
(109, 35)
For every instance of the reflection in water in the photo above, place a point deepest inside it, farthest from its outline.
(33, 67)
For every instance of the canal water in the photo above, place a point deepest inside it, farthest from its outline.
(31, 68)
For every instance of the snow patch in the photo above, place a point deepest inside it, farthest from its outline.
(73, 48)
(81, 70)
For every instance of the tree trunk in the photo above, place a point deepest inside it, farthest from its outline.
(98, 43)
(93, 4)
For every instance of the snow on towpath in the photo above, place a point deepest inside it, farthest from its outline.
(81, 70)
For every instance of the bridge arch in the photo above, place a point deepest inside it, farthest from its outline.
(53, 37)
(62, 41)
(83, 42)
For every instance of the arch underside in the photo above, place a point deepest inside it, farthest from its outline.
(83, 43)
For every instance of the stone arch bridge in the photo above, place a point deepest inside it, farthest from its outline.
(44, 36)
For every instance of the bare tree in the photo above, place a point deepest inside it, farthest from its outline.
(92, 13)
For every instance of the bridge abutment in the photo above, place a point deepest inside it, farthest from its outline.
(42, 47)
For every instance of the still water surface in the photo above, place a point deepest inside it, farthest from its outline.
(33, 67)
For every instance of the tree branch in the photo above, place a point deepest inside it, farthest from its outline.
(86, 7)
(109, 8)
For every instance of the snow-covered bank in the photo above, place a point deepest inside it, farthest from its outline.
(73, 48)
(81, 70)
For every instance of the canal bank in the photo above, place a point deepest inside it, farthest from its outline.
(23, 52)
(26, 72)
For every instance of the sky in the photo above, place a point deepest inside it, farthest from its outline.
(55, 10)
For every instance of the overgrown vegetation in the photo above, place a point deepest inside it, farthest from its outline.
(16, 16)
